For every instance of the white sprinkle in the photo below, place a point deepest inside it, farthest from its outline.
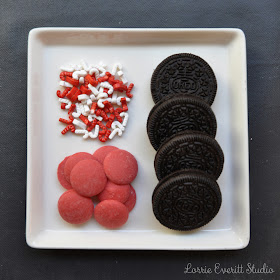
(83, 97)
(99, 118)
(90, 118)
(78, 67)
(100, 102)
(92, 97)
(113, 133)
(82, 108)
(86, 135)
(87, 109)
(102, 95)
(68, 102)
(120, 73)
(95, 71)
(79, 124)
(63, 100)
(93, 89)
(101, 69)
(89, 102)
(84, 65)
(65, 84)
(80, 131)
(102, 64)
(79, 111)
(116, 67)
(108, 86)
(77, 74)
(96, 131)
(125, 118)
(114, 98)
(124, 80)
(117, 124)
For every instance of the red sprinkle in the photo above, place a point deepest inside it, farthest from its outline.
(72, 81)
(67, 128)
(111, 119)
(120, 87)
(59, 94)
(72, 92)
(124, 104)
(63, 74)
(86, 83)
(103, 79)
(109, 106)
(91, 80)
(92, 125)
(63, 105)
(112, 80)
(98, 112)
(75, 96)
(104, 116)
(84, 119)
(101, 125)
(118, 117)
(93, 107)
(65, 91)
(119, 110)
(102, 132)
(104, 138)
(85, 90)
(109, 123)
(130, 87)
(67, 121)
(71, 109)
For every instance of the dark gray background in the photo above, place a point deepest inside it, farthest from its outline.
(259, 20)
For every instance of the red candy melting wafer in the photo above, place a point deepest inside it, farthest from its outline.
(102, 152)
(130, 203)
(88, 177)
(111, 214)
(72, 161)
(74, 208)
(113, 191)
(120, 167)
(61, 176)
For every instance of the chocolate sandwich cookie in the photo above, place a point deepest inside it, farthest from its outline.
(184, 73)
(188, 150)
(176, 113)
(186, 200)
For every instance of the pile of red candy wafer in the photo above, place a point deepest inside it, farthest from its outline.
(106, 175)
(96, 100)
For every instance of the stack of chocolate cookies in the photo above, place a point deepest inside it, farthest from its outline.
(182, 129)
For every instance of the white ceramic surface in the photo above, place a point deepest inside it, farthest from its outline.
(140, 51)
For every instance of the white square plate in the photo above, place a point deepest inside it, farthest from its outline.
(140, 51)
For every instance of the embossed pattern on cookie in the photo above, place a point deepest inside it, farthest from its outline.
(176, 113)
(189, 151)
(186, 200)
(184, 73)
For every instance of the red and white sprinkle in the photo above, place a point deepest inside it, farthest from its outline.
(96, 100)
